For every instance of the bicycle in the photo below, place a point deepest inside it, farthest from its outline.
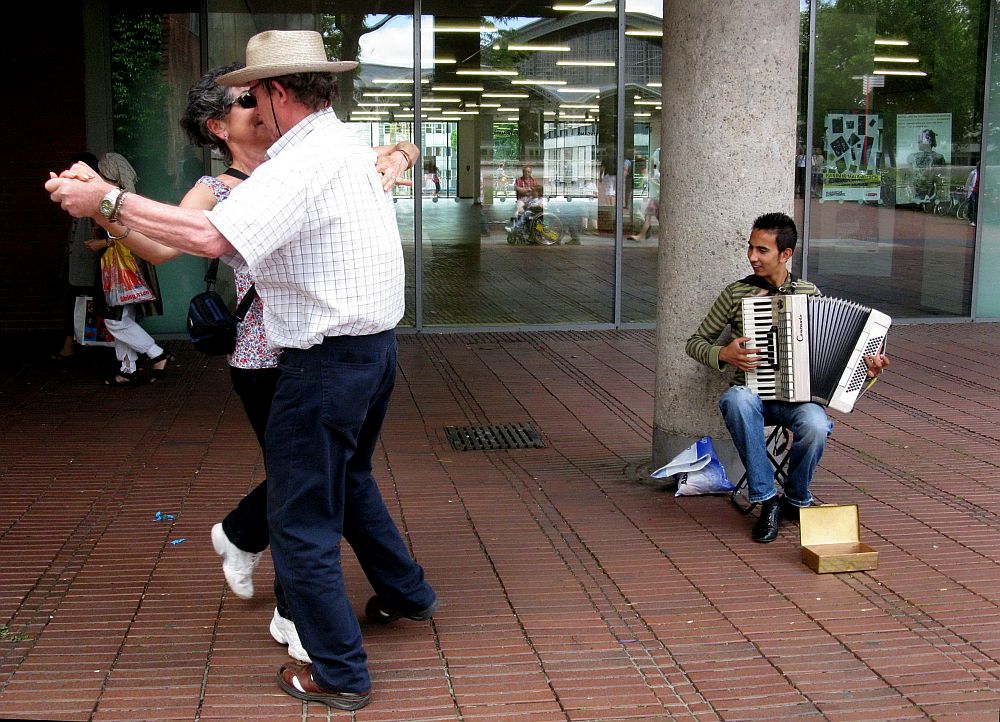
(962, 212)
(949, 206)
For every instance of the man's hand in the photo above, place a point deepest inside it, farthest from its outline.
(876, 364)
(745, 359)
(96, 244)
(392, 166)
(78, 190)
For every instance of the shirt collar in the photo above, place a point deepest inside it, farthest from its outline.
(302, 129)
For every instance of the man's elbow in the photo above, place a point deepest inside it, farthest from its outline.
(213, 245)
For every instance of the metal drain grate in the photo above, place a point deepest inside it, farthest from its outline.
(498, 436)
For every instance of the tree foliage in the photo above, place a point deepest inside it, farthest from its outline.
(138, 91)
(947, 36)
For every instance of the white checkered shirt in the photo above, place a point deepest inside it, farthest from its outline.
(316, 229)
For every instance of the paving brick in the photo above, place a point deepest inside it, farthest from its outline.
(572, 593)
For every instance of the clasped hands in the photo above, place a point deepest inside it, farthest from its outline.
(747, 359)
(78, 190)
(82, 198)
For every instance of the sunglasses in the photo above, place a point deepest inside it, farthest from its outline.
(246, 100)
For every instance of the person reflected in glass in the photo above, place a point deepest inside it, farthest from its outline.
(534, 206)
(523, 188)
(923, 162)
(972, 193)
(652, 209)
(501, 182)
(818, 161)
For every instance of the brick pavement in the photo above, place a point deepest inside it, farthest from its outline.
(572, 592)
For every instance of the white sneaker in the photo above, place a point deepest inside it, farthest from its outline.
(237, 564)
(284, 632)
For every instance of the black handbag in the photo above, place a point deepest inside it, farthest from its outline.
(210, 323)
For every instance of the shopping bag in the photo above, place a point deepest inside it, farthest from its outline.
(697, 470)
(120, 276)
(88, 327)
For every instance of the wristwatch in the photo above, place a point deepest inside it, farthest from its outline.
(111, 203)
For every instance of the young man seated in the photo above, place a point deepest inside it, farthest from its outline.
(772, 243)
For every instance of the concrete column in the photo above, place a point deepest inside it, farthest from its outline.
(729, 82)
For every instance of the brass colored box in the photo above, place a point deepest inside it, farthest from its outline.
(831, 540)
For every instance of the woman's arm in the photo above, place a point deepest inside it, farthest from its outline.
(200, 196)
(394, 160)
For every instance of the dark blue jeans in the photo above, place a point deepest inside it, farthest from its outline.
(325, 421)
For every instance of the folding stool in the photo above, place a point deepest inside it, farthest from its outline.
(777, 443)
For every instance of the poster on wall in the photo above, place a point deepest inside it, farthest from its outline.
(852, 145)
(923, 156)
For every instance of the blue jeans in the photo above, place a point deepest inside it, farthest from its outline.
(325, 420)
(746, 416)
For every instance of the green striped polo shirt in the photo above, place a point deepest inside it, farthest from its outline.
(727, 311)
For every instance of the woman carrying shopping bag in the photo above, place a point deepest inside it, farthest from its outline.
(130, 292)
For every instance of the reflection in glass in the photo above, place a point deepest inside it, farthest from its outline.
(377, 101)
(518, 118)
(988, 192)
(897, 125)
(154, 60)
(643, 111)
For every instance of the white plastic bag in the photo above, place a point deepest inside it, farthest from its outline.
(697, 470)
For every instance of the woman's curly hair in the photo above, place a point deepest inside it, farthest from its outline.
(207, 100)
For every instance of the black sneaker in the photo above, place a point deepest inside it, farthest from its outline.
(378, 611)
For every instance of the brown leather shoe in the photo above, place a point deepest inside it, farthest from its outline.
(296, 679)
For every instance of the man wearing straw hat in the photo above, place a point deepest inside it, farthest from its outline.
(316, 227)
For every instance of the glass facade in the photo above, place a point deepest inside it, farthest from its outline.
(535, 203)
(896, 130)
(154, 60)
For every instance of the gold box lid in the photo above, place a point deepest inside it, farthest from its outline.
(829, 524)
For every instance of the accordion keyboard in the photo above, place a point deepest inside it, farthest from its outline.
(777, 325)
(758, 325)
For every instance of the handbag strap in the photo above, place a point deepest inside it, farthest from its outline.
(244, 307)
(213, 268)
(237, 174)
(211, 273)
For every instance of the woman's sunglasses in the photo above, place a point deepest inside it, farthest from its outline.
(246, 100)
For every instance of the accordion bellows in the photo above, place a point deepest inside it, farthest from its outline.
(813, 348)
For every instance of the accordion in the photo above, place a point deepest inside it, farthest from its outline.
(812, 348)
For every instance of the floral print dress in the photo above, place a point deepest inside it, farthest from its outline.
(251, 350)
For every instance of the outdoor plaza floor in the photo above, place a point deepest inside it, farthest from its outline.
(571, 590)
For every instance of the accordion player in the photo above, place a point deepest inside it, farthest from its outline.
(812, 348)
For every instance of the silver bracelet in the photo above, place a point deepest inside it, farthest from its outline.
(118, 238)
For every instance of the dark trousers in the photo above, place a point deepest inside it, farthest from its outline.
(246, 524)
(325, 421)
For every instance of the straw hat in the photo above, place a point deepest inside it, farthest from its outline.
(283, 52)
